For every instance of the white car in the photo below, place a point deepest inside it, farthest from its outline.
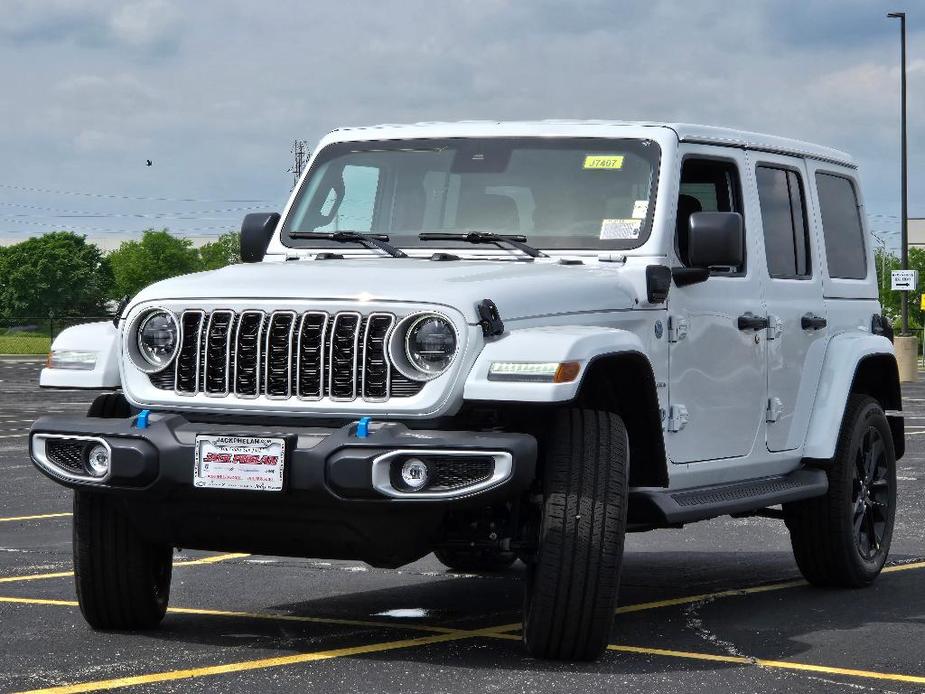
(496, 341)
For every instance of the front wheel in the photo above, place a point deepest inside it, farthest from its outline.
(842, 539)
(572, 581)
(123, 581)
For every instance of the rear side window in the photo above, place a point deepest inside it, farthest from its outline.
(841, 226)
(783, 216)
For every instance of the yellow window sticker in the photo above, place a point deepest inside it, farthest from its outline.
(604, 161)
(616, 229)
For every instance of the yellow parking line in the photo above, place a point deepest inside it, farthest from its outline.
(35, 577)
(738, 592)
(779, 664)
(260, 664)
(61, 574)
(268, 616)
(211, 560)
(14, 519)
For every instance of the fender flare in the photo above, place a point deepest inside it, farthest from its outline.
(545, 344)
(847, 353)
(103, 338)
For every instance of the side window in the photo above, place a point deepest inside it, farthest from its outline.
(783, 216)
(841, 227)
(707, 185)
(351, 202)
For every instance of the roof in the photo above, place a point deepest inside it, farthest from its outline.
(685, 132)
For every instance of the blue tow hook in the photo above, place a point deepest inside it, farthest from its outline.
(141, 421)
(363, 427)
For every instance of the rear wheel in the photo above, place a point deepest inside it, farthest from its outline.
(475, 560)
(572, 581)
(842, 539)
(123, 581)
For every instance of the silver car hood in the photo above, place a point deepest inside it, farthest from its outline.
(519, 289)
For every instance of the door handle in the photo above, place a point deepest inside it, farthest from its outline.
(811, 322)
(752, 322)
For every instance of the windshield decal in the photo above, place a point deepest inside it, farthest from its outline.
(610, 162)
(620, 229)
(640, 209)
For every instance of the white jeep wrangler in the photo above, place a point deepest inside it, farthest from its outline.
(495, 341)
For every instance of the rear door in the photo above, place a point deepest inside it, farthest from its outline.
(792, 287)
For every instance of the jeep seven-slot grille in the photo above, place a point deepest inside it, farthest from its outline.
(285, 354)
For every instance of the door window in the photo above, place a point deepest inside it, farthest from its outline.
(707, 185)
(783, 217)
(841, 227)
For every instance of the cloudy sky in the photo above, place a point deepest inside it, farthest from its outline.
(215, 92)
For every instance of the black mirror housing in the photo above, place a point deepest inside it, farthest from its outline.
(716, 239)
(256, 231)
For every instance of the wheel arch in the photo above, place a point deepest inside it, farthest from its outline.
(873, 369)
(624, 383)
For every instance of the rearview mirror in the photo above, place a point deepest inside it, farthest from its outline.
(256, 231)
(716, 239)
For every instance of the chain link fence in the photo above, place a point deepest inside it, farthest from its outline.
(33, 335)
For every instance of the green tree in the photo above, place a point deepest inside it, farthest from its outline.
(225, 250)
(892, 301)
(57, 272)
(157, 256)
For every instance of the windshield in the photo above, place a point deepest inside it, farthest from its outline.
(577, 193)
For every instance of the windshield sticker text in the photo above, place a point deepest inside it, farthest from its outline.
(603, 161)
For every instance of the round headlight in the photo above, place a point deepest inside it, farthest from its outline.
(430, 344)
(157, 339)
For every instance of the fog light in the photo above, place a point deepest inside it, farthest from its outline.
(414, 473)
(98, 460)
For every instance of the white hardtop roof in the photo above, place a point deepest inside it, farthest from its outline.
(685, 132)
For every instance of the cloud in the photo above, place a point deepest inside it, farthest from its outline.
(143, 24)
(216, 91)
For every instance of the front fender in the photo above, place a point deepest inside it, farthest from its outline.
(840, 369)
(545, 344)
(101, 338)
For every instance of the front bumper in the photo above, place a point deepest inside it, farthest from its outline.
(331, 505)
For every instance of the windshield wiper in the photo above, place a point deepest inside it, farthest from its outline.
(377, 241)
(514, 240)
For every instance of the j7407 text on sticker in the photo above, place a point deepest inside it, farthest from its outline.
(610, 162)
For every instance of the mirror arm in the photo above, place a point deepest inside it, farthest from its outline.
(684, 276)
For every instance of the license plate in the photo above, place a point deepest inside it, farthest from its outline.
(239, 462)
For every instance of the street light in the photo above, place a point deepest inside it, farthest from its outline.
(904, 231)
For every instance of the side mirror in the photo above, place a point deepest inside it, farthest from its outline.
(716, 239)
(256, 231)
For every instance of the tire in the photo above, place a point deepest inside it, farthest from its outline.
(123, 581)
(573, 580)
(843, 539)
(475, 561)
(110, 406)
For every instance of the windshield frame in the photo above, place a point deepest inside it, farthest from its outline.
(406, 241)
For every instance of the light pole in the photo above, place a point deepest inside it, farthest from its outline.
(904, 231)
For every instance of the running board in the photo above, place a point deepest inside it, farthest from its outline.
(672, 507)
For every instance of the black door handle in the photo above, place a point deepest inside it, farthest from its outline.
(752, 322)
(811, 322)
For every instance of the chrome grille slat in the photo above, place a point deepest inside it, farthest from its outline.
(215, 369)
(310, 355)
(277, 368)
(310, 352)
(342, 356)
(377, 369)
(247, 344)
(186, 374)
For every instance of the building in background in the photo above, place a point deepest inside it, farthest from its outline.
(917, 232)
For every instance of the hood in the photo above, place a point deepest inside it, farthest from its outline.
(520, 290)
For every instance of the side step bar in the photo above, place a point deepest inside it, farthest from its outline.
(672, 507)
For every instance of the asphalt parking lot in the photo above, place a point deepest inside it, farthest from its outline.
(717, 606)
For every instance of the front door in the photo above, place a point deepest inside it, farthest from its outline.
(718, 370)
(797, 332)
